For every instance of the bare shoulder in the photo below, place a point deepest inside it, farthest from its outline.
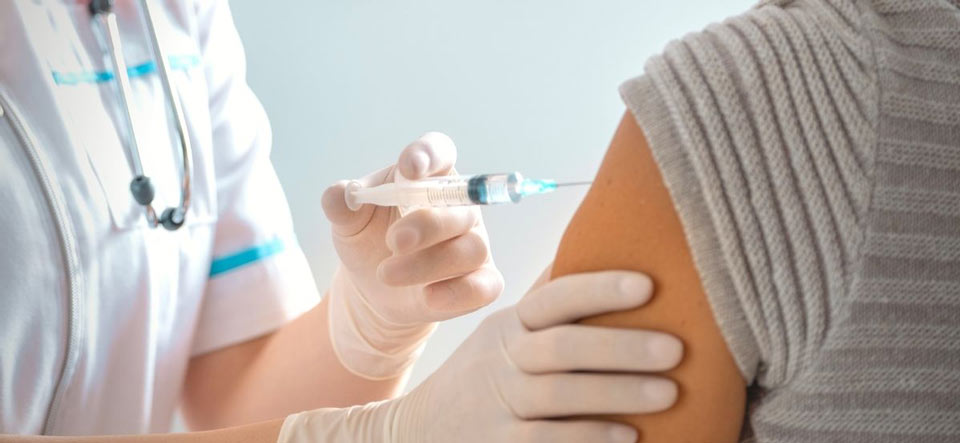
(628, 221)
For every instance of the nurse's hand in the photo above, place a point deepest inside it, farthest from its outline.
(527, 374)
(530, 364)
(401, 274)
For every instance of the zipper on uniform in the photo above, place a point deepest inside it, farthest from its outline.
(56, 203)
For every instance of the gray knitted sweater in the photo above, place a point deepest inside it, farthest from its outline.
(812, 149)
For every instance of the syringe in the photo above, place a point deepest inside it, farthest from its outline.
(456, 190)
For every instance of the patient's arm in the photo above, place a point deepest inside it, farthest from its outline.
(628, 221)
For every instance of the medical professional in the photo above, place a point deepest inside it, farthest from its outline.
(148, 263)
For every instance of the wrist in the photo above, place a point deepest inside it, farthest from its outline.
(409, 415)
(373, 422)
(366, 343)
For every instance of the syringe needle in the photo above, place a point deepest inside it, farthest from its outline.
(574, 183)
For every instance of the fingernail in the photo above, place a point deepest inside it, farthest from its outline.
(405, 239)
(660, 393)
(635, 285)
(419, 163)
(667, 350)
(623, 434)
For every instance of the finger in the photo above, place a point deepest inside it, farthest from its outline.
(427, 227)
(448, 259)
(576, 296)
(569, 394)
(590, 348)
(432, 154)
(467, 293)
(346, 221)
(550, 431)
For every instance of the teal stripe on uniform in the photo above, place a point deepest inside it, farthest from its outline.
(176, 62)
(227, 263)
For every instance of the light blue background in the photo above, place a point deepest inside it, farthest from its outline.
(520, 85)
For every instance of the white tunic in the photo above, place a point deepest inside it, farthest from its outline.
(99, 313)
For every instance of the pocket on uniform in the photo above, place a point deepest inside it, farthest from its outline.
(93, 129)
(97, 124)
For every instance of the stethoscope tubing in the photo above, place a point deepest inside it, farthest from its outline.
(141, 187)
(186, 149)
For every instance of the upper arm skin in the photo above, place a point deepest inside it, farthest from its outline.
(628, 221)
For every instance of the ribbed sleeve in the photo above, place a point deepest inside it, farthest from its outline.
(812, 150)
(764, 129)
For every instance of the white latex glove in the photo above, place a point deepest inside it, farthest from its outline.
(400, 275)
(522, 368)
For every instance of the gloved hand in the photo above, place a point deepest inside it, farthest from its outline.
(400, 275)
(523, 367)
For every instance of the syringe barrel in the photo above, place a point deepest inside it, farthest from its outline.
(447, 191)
(483, 189)
(490, 189)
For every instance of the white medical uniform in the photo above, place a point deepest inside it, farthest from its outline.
(99, 314)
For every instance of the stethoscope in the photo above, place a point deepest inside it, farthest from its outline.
(141, 187)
